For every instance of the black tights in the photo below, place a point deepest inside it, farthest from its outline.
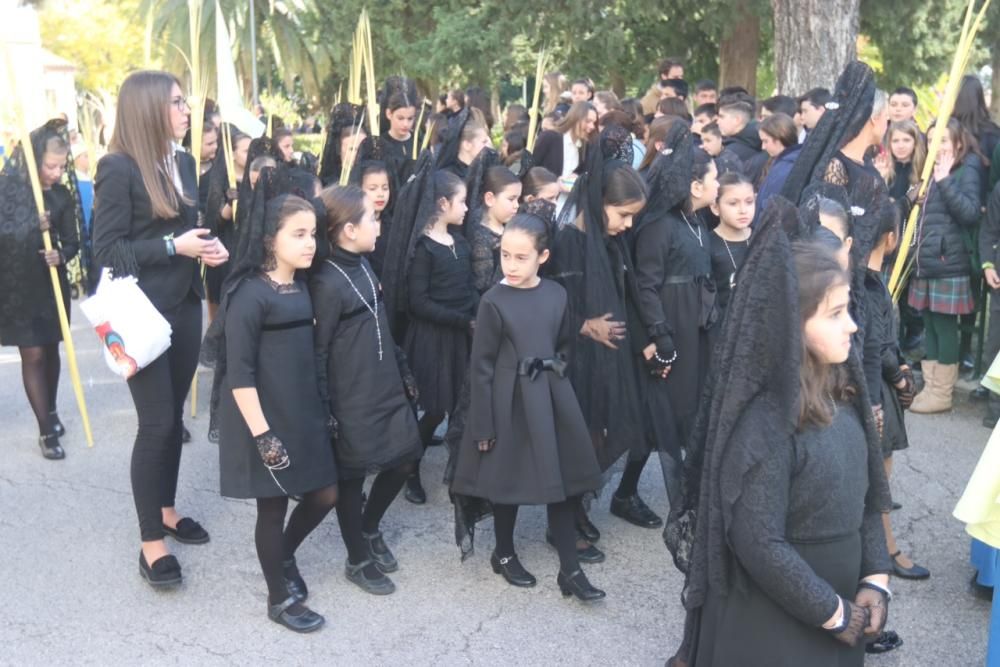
(561, 528)
(40, 374)
(353, 521)
(629, 484)
(426, 426)
(277, 542)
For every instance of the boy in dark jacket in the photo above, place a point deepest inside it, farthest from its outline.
(740, 135)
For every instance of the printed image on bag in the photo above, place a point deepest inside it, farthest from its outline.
(133, 332)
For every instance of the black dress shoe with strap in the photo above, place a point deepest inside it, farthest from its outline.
(512, 571)
(294, 582)
(305, 620)
(378, 585)
(51, 449)
(587, 553)
(188, 531)
(415, 490)
(164, 572)
(56, 424)
(587, 529)
(576, 584)
(635, 511)
(385, 561)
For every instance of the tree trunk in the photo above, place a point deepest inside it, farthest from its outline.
(813, 42)
(739, 49)
(618, 84)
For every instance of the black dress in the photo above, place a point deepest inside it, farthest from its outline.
(727, 258)
(486, 270)
(442, 304)
(542, 453)
(801, 537)
(677, 305)
(881, 320)
(358, 372)
(37, 321)
(269, 346)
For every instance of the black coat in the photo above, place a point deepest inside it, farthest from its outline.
(543, 452)
(358, 371)
(548, 151)
(952, 210)
(123, 212)
(989, 232)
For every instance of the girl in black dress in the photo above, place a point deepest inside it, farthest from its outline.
(501, 190)
(592, 261)
(376, 184)
(146, 226)
(273, 428)
(735, 207)
(362, 386)
(28, 312)
(786, 564)
(526, 441)
(442, 307)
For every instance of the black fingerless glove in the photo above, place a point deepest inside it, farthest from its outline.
(876, 600)
(272, 451)
(853, 625)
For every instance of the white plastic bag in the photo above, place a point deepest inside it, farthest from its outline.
(133, 332)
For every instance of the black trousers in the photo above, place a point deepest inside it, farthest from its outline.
(158, 392)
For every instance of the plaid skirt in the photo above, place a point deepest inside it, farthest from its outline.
(948, 296)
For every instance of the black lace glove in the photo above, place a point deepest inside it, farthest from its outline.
(272, 451)
(409, 380)
(485, 445)
(853, 626)
(876, 601)
(332, 427)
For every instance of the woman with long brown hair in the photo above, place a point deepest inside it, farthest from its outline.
(560, 150)
(145, 225)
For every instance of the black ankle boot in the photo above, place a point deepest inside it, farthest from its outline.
(576, 583)
(51, 449)
(415, 490)
(512, 571)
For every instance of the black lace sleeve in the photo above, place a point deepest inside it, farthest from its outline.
(836, 173)
(757, 534)
(874, 554)
(327, 307)
(485, 262)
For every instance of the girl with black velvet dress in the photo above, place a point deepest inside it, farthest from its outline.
(361, 380)
(28, 304)
(442, 307)
(735, 207)
(526, 440)
(272, 425)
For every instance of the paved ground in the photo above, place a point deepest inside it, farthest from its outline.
(71, 593)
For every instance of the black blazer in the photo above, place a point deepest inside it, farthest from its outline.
(123, 211)
(548, 151)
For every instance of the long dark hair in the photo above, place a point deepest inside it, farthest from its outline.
(818, 272)
(971, 110)
(344, 205)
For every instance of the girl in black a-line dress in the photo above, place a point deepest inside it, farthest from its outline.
(361, 380)
(526, 440)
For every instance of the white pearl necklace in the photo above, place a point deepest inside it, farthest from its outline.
(371, 309)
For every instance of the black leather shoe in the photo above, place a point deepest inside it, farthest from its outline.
(56, 425)
(586, 554)
(576, 584)
(51, 449)
(886, 641)
(587, 529)
(294, 582)
(912, 572)
(896, 506)
(380, 553)
(185, 434)
(511, 569)
(415, 490)
(381, 585)
(980, 393)
(635, 511)
(305, 621)
(166, 571)
(188, 531)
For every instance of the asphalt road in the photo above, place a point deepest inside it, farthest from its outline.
(71, 593)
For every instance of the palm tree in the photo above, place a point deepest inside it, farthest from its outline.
(285, 45)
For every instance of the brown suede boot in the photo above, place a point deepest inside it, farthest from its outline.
(940, 397)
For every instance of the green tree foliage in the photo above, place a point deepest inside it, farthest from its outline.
(101, 37)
